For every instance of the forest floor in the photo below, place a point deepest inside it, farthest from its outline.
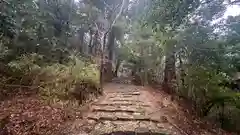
(127, 109)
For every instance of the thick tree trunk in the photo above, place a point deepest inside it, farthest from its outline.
(108, 72)
(117, 68)
(95, 44)
(111, 45)
(85, 48)
(182, 72)
(169, 73)
(81, 39)
(90, 45)
(145, 76)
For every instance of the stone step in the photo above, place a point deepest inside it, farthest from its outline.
(122, 96)
(133, 102)
(124, 92)
(127, 108)
(117, 110)
(120, 116)
(126, 100)
(121, 104)
(131, 94)
(131, 128)
(114, 110)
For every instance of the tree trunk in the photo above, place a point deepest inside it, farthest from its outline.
(111, 45)
(81, 39)
(108, 65)
(117, 68)
(169, 72)
(182, 72)
(90, 45)
(145, 76)
(95, 44)
(222, 117)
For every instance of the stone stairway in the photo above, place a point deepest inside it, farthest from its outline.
(124, 111)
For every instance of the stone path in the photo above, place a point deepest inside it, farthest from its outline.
(125, 108)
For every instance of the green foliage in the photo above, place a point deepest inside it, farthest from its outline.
(39, 41)
(77, 79)
(212, 100)
(172, 13)
(189, 52)
(47, 28)
(142, 53)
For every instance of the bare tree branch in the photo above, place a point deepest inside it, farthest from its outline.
(118, 15)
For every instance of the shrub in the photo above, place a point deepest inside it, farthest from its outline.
(216, 102)
(58, 82)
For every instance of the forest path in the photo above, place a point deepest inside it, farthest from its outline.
(127, 109)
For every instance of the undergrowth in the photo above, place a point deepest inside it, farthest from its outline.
(217, 103)
(76, 79)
